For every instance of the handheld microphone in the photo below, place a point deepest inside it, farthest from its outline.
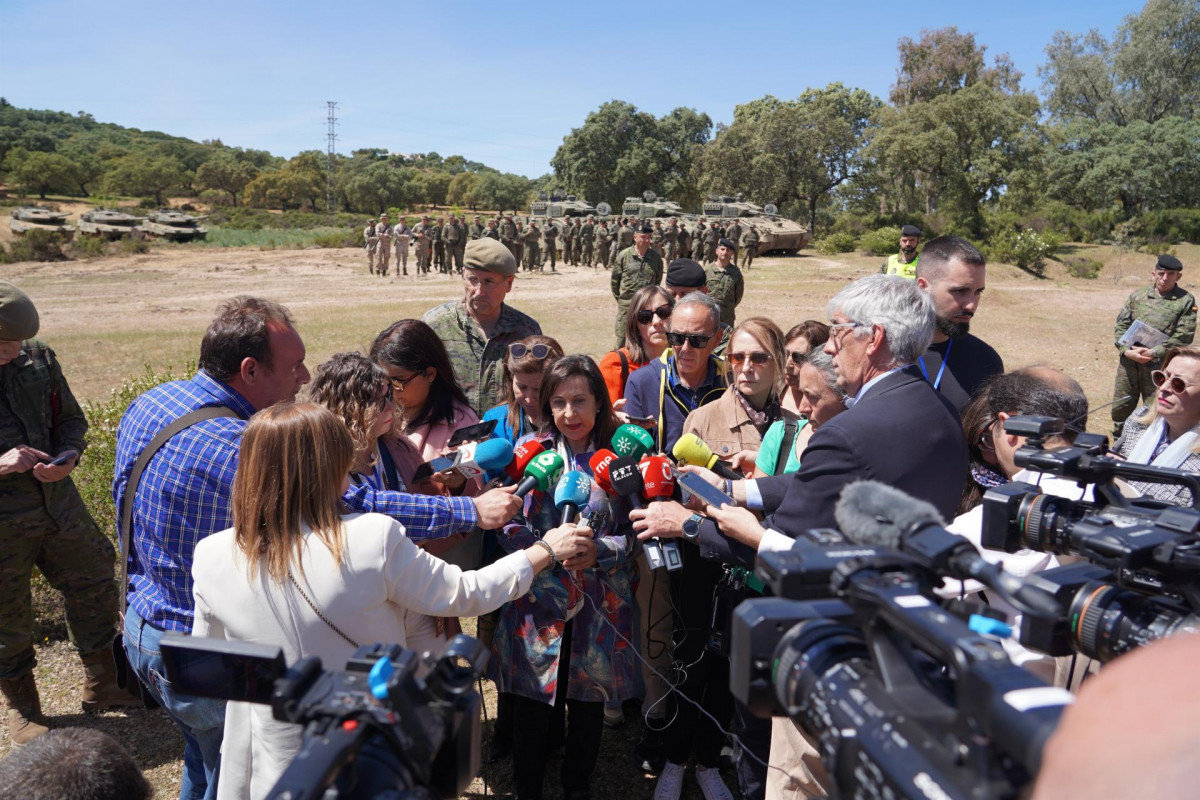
(627, 480)
(658, 477)
(873, 513)
(522, 455)
(541, 473)
(473, 459)
(600, 463)
(691, 449)
(572, 493)
(632, 441)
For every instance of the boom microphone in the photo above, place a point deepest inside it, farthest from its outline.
(541, 473)
(572, 493)
(873, 513)
(691, 449)
(632, 441)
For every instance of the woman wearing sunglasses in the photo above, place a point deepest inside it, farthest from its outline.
(821, 399)
(525, 363)
(801, 340)
(645, 340)
(1166, 433)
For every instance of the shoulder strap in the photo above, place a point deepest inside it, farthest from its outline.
(790, 429)
(135, 477)
(624, 368)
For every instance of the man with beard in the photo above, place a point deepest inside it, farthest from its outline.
(904, 263)
(952, 272)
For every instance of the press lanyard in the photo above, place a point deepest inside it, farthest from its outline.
(945, 360)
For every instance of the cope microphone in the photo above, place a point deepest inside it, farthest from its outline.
(632, 441)
(541, 473)
(572, 493)
(658, 480)
(473, 459)
(522, 455)
(600, 462)
(873, 513)
(691, 449)
(627, 480)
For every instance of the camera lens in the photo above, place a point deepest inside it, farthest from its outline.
(1107, 620)
(1041, 520)
(807, 652)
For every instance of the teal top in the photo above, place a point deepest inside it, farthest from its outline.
(768, 454)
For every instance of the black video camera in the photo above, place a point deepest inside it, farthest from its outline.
(374, 729)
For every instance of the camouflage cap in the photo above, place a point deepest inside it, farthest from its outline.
(18, 317)
(490, 256)
(1169, 262)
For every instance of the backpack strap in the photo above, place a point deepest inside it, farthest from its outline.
(135, 477)
(790, 429)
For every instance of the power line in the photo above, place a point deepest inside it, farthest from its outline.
(330, 148)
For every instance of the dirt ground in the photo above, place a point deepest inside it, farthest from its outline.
(108, 318)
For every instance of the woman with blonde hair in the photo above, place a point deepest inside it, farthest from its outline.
(296, 572)
(525, 362)
(357, 390)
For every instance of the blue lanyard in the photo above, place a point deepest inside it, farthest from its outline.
(945, 359)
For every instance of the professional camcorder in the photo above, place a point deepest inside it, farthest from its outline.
(1140, 581)
(373, 730)
(902, 695)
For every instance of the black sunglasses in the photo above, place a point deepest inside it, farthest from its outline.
(539, 351)
(696, 340)
(646, 315)
(797, 357)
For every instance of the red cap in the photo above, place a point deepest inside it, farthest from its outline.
(658, 477)
(599, 464)
(522, 455)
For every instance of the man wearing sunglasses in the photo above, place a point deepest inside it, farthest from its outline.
(478, 329)
(1163, 309)
(635, 267)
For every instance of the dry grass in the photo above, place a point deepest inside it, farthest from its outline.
(107, 318)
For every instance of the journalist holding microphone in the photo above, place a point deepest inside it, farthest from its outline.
(297, 572)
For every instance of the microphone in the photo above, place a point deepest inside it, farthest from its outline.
(627, 480)
(600, 463)
(541, 473)
(632, 441)
(522, 455)
(873, 513)
(691, 449)
(572, 493)
(658, 478)
(473, 459)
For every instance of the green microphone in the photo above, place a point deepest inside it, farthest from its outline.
(632, 441)
(541, 473)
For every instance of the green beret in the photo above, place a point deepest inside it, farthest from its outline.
(1169, 262)
(18, 317)
(489, 255)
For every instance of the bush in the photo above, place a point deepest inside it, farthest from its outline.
(1086, 268)
(1027, 249)
(37, 246)
(348, 239)
(89, 247)
(148, 203)
(132, 246)
(880, 242)
(836, 243)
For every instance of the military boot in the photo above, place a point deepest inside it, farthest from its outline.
(100, 690)
(24, 709)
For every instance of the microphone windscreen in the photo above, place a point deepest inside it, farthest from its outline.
(690, 449)
(493, 454)
(870, 512)
(632, 441)
(545, 469)
(599, 463)
(658, 477)
(574, 487)
(625, 477)
(522, 455)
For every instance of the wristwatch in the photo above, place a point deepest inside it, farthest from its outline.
(691, 527)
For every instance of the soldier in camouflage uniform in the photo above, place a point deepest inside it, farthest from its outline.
(603, 243)
(520, 243)
(1166, 308)
(711, 237)
(492, 231)
(44, 523)
(698, 242)
(439, 244)
(656, 237)
(635, 267)
(624, 237)
(508, 235)
(670, 239)
(551, 236)
(532, 238)
(587, 237)
(733, 232)
(453, 234)
(460, 250)
(749, 246)
(383, 235)
(372, 244)
(725, 282)
(476, 231)
(478, 329)
(568, 240)
(424, 233)
(683, 243)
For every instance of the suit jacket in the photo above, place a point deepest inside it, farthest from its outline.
(901, 432)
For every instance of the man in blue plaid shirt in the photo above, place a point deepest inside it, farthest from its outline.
(251, 357)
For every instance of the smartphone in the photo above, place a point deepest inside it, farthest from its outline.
(693, 484)
(472, 433)
(62, 459)
(644, 422)
(222, 669)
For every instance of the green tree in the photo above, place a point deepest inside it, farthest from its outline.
(462, 189)
(224, 172)
(41, 172)
(145, 177)
(432, 186)
(380, 186)
(502, 191)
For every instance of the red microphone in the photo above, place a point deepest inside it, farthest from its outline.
(658, 477)
(522, 455)
(599, 463)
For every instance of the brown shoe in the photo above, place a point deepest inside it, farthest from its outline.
(24, 709)
(100, 690)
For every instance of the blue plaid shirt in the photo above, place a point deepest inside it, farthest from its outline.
(185, 490)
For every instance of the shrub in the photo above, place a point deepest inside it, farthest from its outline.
(1027, 249)
(836, 243)
(880, 242)
(148, 203)
(132, 246)
(348, 239)
(1086, 268)
(37, 246)
(89, 247)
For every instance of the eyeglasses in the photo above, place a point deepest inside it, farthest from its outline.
(757, 359)
(1175, 384)
(797, 358)
(696, 340)
(398, 384)
(646, 315)
(538, 351)
(842, 326)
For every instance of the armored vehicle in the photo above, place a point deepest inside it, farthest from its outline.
(775, 233)
(651, 205)
(558, 207)
(35, 218)
(175, 226)
(109, 223)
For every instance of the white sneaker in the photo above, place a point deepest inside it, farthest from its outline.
(670, 782)
(711, 784)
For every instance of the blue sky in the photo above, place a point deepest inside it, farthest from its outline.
(500, 83)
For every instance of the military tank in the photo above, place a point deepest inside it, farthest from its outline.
(35, 218)
(651, 205)
(174, 226)
(776, 234)
(109, 223)
(558, 206)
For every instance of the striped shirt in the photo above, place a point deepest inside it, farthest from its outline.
(184, 494)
